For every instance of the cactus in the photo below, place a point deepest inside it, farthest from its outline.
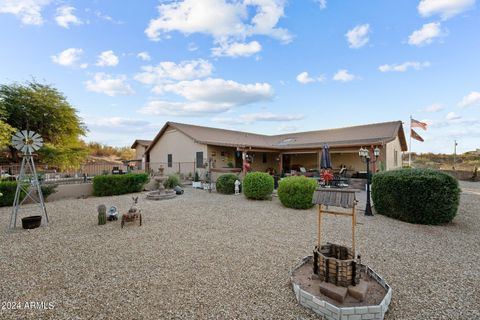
(102, 214)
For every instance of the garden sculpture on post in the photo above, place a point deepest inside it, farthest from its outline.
(133, 214)
(27, 182)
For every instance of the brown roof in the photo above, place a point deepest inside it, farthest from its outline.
(144, 143)
(364, 135)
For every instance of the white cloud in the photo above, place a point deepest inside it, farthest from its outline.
(426, 34)
(145, 56)
(473, 98)
(29, 11)
(404, 66)
(255, 117)
(221, 91)
(322, 3)
(304, 78)
(106, 17)
(343, 75)
(107, 58)
(167, 71)
(109, 85)
(436, 107)
(67, 57)
(358, 36)
(445, 8)
(65, 17)
(159, 107)
(237, 49)
(221, 19)
(452, 116)
(192, 47)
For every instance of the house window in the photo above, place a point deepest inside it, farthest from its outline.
(264, 157)
(199, 159)
(395, 158)
(169, 160)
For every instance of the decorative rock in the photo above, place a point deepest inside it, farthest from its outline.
(359, 291)
(332, 291)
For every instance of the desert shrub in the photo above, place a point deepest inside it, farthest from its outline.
(8, 189)
(172, 181)
(115, 184)
(296, 192)
(226, 183)
(258, 185)
(422, 196)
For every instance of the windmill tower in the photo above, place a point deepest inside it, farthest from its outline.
(27, 183)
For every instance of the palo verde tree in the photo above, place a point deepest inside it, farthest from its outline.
(45, 110)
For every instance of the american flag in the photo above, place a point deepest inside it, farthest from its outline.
(418, 124)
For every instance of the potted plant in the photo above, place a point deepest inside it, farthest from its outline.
(196, 181)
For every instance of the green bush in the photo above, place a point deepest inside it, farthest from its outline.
(172, 181)
(258, 185)
(226, 183)
(115, 184)
(422, 196)
(296, 192)
(8, 189)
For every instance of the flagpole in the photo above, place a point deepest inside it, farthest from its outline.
(410, 146)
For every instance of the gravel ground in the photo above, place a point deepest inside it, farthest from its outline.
(211, 256)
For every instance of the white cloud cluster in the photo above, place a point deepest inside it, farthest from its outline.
(29, 11)
(209, 96)
(305, 78)
(472, 99)
(358, 36)
(255, 117)
(229, 23)
(168, 71)
(109, 85)
(404, 66)
(145, 56)
(322, 3)
(452, 116)
(107, 58)
(237, 49)
(426, 34)
(445, 8)
(343, 75)
(436, 107)
(65, 17)
(68, 57)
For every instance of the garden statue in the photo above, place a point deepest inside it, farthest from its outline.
(102, 214)
(112, 214)
(133, 214)
(237, 187)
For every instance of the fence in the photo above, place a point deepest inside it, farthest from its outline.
(51, 174)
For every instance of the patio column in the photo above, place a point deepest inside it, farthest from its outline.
(319, 159)
(280, 163)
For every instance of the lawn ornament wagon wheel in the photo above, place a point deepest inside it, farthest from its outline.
(133, 214)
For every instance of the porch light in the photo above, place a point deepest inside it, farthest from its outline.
(376, 152)
(365, 157)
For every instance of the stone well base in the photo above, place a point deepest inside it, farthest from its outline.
(332, 312)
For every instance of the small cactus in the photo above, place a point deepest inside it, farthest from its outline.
(102, 214)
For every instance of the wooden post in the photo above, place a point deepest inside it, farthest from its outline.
(319, 226)
(354, 222)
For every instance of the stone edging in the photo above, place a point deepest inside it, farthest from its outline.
(331, 312)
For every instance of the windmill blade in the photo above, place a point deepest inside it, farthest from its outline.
(30, 133)
(25, 133)
(18, 134)
(24, 148)
(35, 147)
(14, 138)
(37, 140)
(36, 136)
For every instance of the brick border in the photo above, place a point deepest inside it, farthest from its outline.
(331, 312)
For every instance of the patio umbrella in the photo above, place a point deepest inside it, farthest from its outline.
(325, 162)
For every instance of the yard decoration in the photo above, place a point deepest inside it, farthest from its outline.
(27, 182)
(133, 214)
(112, 214)
(102, 214)
(237, 187)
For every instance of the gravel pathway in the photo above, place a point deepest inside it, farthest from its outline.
(212, 256)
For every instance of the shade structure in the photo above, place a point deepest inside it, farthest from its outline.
(325, 162)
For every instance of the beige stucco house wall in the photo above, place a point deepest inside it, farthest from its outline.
(139, 151)
(393, 153)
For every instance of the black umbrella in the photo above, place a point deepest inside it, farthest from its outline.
(325, 162)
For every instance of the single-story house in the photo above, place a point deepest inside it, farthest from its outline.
(140, 146)
(185, 148)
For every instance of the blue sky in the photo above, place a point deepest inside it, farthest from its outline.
(266, 66)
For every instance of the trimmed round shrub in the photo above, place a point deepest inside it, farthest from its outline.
(172, 181)
(296, 192)
(226, 183)
(258, 185)
(421, 196)
(115, 184)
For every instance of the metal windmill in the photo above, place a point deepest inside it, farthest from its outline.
(27, 183)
